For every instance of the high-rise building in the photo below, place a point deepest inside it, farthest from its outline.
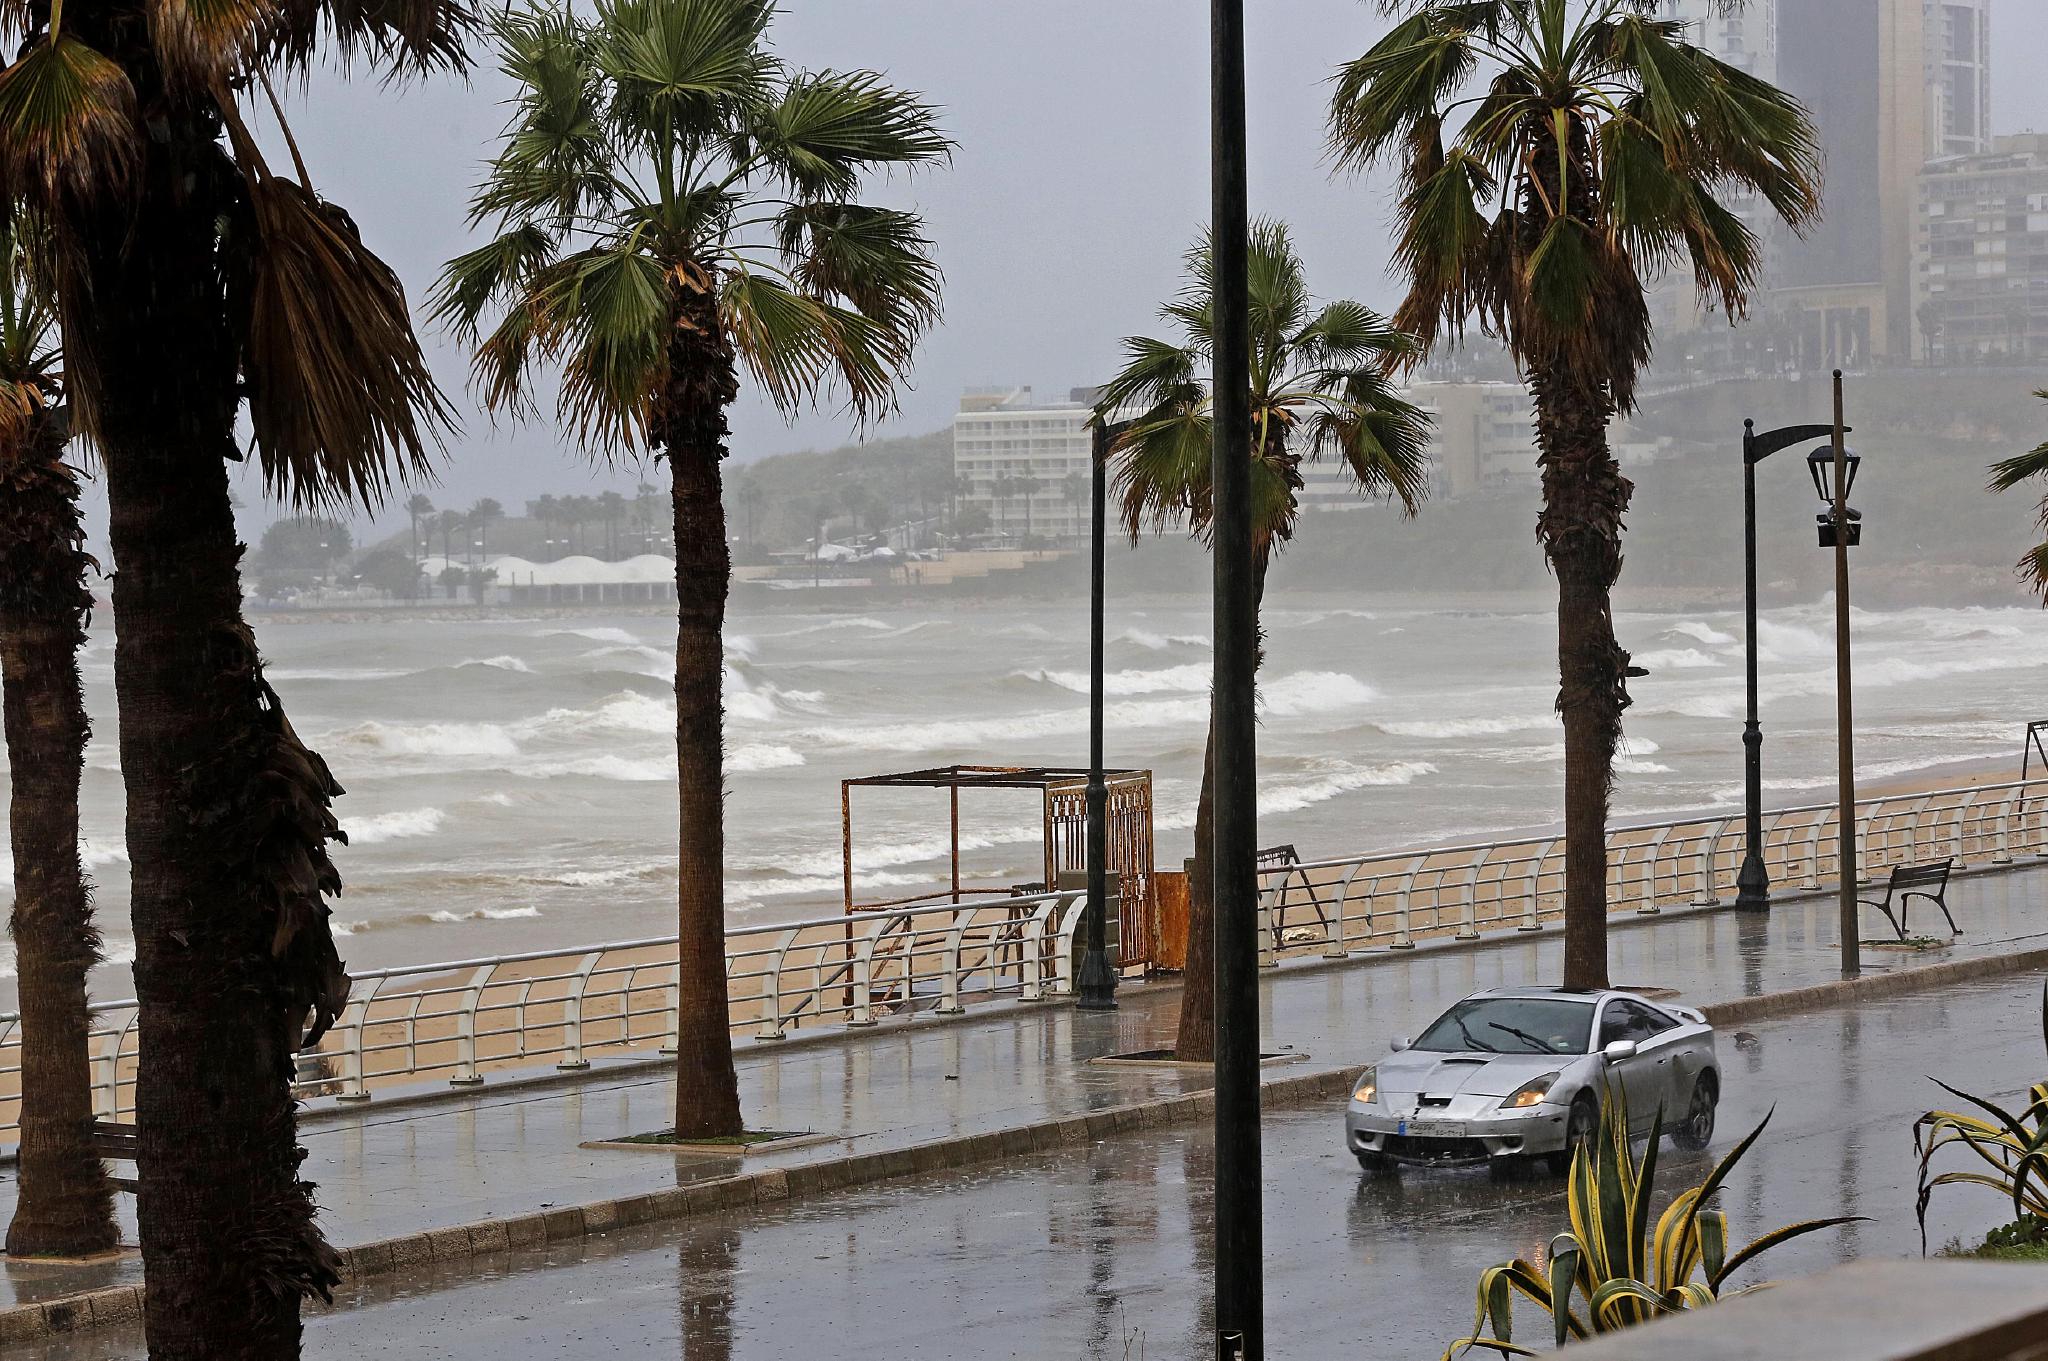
(1981, 258)
(1025, 461)
(1892, 84)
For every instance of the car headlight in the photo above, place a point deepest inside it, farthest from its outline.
(1529, 1093)
(1368, 1088)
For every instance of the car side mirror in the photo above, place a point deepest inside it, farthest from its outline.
(1618, 1050)
(1400, 1043)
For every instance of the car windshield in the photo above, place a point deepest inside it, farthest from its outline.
(1511, 1025)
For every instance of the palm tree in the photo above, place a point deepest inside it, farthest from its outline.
(1594, 141)
(198, 288)
(450, 523)
(1005, 487)
(65, 1203)
(676, 205)
(1319, 388)
(2009, 473)
(482, 516)
(1074, 489)
(750, 497)
(612, 508)
(417, 505)
(1025, 487)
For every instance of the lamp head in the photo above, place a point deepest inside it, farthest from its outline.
(1820, 466)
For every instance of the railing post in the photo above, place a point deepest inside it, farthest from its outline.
(2003, 855)
(466, 1073)
(1063, 949)
(1648, 907)
(1404, 936)
(106, 1075)
(572, 1015)
(1813, 852)
(355, 1019)
(1704, 893)
(1270, 923)
(861, 1011)
(949, 964)
(1532, 893)
(672, 1011)
(771, 1024)
(1334, 947)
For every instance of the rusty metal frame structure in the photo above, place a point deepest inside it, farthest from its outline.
(1063, 801)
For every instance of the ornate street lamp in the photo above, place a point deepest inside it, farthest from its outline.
(1833, 469)
(1753, 884)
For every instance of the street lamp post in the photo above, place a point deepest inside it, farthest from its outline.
(1240, 1287)
(1833, 467)
(1753, 884)
(1097, 980)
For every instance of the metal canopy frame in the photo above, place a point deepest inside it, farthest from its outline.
(1063, 793)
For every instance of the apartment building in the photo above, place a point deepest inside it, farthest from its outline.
(1981, 254)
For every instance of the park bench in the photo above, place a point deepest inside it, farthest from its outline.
(115, 1142)
(1908, 882)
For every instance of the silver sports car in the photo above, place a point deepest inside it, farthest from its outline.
(1519, 1072)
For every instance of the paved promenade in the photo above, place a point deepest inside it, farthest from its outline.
(508, 1151)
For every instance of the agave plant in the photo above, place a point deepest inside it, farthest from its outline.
(1624, 1272)
(2014, 1147)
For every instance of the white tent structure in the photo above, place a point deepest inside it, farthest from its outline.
(581, 580)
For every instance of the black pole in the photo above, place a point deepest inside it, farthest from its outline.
(1753, 884)
(1852, 962)
(1240, 1302)
(1097, 980)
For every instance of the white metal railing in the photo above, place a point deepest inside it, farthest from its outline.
(459, 1020)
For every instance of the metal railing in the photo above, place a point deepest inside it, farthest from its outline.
(460, 1020)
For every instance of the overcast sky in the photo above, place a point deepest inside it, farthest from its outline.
(1081, 175)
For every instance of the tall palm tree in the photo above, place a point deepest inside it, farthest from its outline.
(1004, 488)
(1319, 388)
(1025, 487)
(65, 1203)
(416, 506)
(612, 507)
(2009, 473)
(1594, 143)
(674, 206)
(750, 497)
(482, 516)
(198, 287)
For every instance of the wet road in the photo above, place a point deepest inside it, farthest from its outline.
(1099, 1253)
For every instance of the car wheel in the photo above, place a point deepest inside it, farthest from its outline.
(1698, 1129)
(1581, 1127)
(1372, 1162)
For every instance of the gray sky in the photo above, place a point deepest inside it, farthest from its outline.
(1081, 176)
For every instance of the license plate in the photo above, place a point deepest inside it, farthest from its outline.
(1433, 1129)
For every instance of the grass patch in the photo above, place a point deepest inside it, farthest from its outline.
(2023, 1240)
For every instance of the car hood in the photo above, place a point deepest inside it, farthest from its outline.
(1415, 1072)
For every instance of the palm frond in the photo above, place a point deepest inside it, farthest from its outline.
(200, 42)
(687, 66)
(404, 38)
(341, 401)
(478, 280)
(799, 347)
(829, 127)
(877, 259)
(608, 318)
(67, 120)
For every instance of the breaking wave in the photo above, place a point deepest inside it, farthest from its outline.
(398, 826)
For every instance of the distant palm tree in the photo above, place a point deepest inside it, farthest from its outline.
(750, 497)
(212, 305)
(416, 506)
(612, 507)
(450, 523)
(1025, 486)
(1005, 488)
(2009, 473)
(1596, 141)
(482, 516)
(64, 1205)
(1074, 489)
(1320, 388)
(676, 205)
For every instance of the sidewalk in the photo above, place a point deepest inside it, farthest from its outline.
(506, 1152)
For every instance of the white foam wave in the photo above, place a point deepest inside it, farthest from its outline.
(395, 826)
(1702, 632)
(762, 756)
(1294, 798)
(628, 769)
(1159, 642)
(595, 635)
(1469, 727)
(505, 662)
(1677, 659)
(1193, 679)
(1629, 766)
(333, 673)
(484, 914)
(876, 857)
(428, 739)
(1315, 692)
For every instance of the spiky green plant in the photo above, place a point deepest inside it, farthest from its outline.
(2014, 1147)
(2009, 473)
(1624, 1273)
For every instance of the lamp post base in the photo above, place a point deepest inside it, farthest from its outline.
(1095, 988)
(1752, 886)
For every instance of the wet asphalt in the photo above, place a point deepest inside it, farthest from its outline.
(1101, 1252)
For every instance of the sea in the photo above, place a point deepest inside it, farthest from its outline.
(510, 779)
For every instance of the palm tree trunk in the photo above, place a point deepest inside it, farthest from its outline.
(227, 814)
(1195, 1039)
(65, 1203)
(692, 428)
(1584, 499)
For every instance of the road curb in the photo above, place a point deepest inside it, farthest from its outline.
(123, 1304)
(1797, 1000)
